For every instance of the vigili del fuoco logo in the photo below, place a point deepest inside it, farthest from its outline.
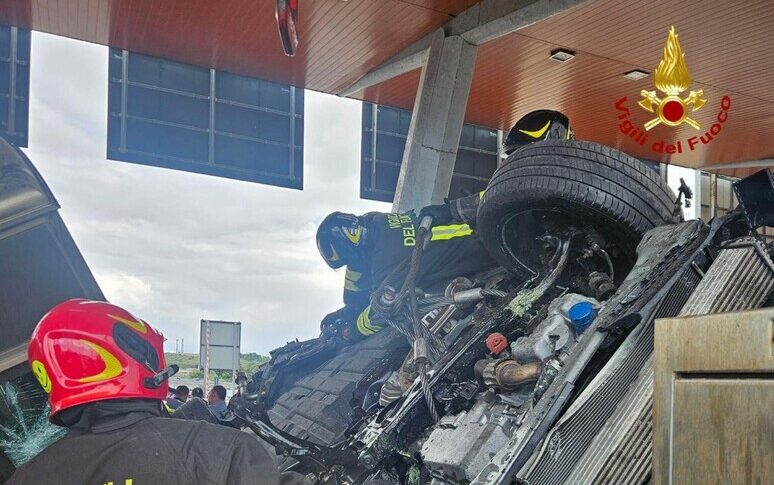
(669, 107)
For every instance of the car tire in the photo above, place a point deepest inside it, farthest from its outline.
(617, 194)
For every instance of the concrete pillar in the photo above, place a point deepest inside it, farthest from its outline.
(436, 124)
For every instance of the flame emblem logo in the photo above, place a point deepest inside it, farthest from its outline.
(672, 78)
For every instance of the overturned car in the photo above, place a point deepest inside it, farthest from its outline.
(538, 371)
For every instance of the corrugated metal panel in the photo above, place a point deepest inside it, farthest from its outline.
(383, 141)
(621, 451)
(613, 456)
(179, 116)
(15, 46)
(742, 277)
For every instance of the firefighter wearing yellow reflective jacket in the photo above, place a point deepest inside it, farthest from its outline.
(371, 246)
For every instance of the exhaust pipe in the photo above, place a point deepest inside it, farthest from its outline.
(507, 374)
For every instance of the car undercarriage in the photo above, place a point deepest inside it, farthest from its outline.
(509, 382)
(537, 371)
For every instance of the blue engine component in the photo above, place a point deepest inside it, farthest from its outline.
(582, 315)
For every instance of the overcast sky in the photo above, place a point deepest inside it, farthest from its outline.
(174, 247)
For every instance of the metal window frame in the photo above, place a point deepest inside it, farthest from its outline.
(371, 128)
(120, 152)
(15, 134)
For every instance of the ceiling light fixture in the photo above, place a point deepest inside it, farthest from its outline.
(636, 75)
(562, 55)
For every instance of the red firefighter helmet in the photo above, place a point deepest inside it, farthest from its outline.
(85, 351)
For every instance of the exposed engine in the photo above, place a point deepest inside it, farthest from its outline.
(483, 404)
(510, 377)
(487, 350)
(489, 379)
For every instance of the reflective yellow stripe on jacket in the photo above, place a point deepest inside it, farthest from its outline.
(364, 325)
(442, 233)
(350, 280)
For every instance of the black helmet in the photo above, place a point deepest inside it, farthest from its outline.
(537, 125)
(340, 240)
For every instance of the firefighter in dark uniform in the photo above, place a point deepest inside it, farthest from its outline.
(371, 246)
(105, 375)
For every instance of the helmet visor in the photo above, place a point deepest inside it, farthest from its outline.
(338, 238)
(329, 254)
(536, 126)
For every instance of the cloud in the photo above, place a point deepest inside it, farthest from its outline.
(176, 247)
(131, 288)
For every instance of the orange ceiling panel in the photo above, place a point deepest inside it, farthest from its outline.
(340, 41)
(449, 7)
(727, 45)
(727, 50)
(398, 92)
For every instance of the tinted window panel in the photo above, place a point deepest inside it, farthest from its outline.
(387, 131)
(184, 117)
(5, 76)
(167, 74)
(166, 141)
(389, 148)
(240, 153)
(168, 107)
(5, 41)
(14, 84)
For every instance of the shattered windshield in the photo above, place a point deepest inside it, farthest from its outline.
(24, 427)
